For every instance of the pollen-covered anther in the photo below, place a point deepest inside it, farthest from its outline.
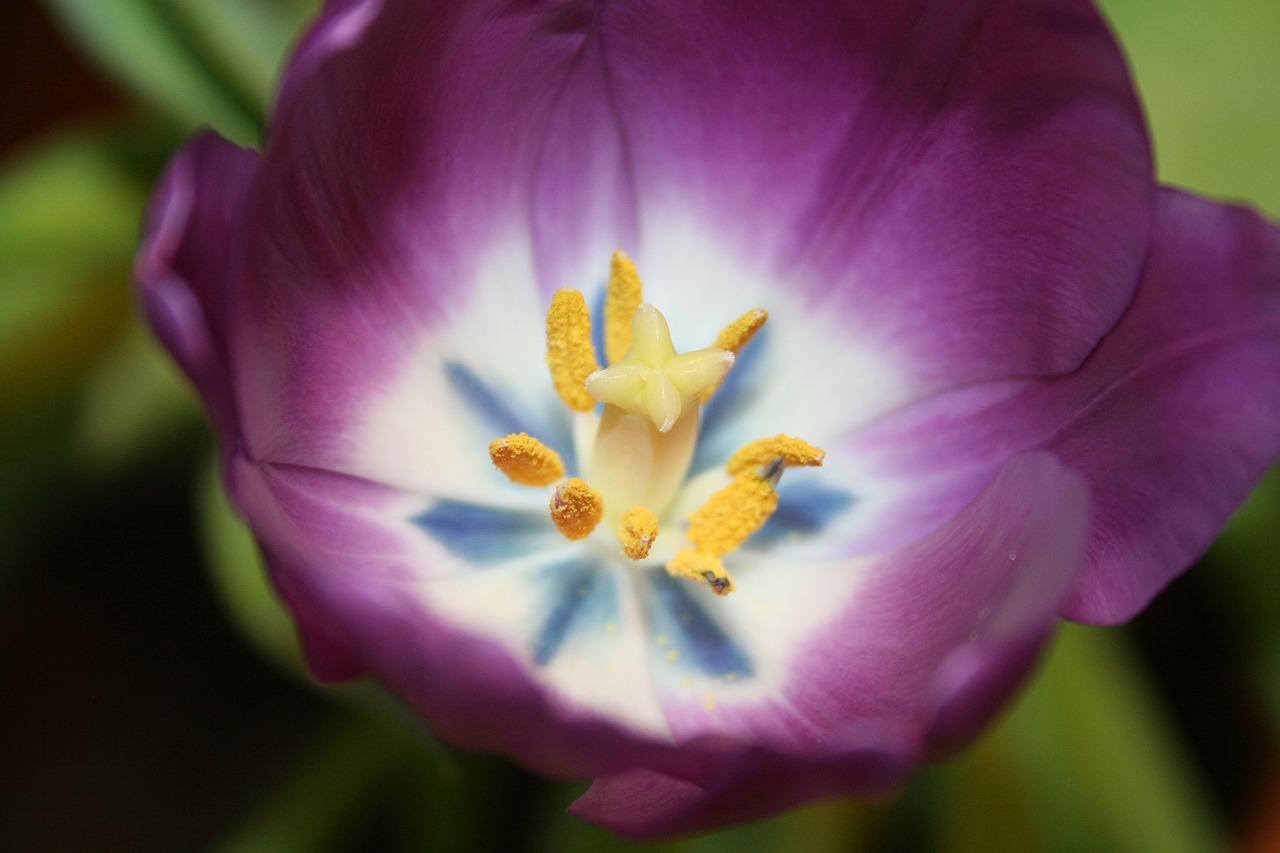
(732, 514)
(701, 567)
(576, 509)
(570, 353)
(637, 532)
(525, 460)
(764, 452)
(735, 336)
(623, 295)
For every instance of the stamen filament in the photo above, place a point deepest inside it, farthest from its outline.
(525, 460)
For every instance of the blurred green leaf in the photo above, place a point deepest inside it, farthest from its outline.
(1209, 75)
(1243, 563)
(328, 793)
(246, 40)
(134, 397)
(201, 62)
(68, 221)
(1085, 762)
(240, 579)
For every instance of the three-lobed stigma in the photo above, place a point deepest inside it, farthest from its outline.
(646, 432)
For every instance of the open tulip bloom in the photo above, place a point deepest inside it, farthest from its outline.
(717, 399)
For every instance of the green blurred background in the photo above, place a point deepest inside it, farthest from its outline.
(150, 697)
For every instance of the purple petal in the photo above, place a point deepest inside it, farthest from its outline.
(967, 183)
(1186, 416)
(1171, 420)
(186, 260)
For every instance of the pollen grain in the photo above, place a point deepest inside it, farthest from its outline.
(525, 460)
(623, 296)
(576, 509)
(570, 355)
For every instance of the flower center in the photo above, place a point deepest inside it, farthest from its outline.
(647, 432)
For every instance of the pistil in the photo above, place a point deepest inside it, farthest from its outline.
(649, 427)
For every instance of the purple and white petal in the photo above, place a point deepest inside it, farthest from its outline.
(1171, 420)
(923, 649)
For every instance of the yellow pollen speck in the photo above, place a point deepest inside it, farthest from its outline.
(711, 701)
(765, 451)
(610, 628)
(576, 509)
(570, 354)
(525, 460)
(737, 335)
(638, 530)
(623, 296)
(673, 655)
(661, 639)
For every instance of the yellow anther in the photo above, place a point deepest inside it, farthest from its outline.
(525, 460)
(570, 354)
(732, 514)
(637, 531)
(623, 296)
(576, 509)
(766, 451)
(701, 567)
(737, 335)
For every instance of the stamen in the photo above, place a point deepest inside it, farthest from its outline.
(701, 567)
(525, 460)
(576, 509)
(623, 296)
(637, 532)
(570, 354)
(731, 515)
(737, 335)
(792, 451)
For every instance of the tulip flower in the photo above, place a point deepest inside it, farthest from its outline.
(720, 401)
